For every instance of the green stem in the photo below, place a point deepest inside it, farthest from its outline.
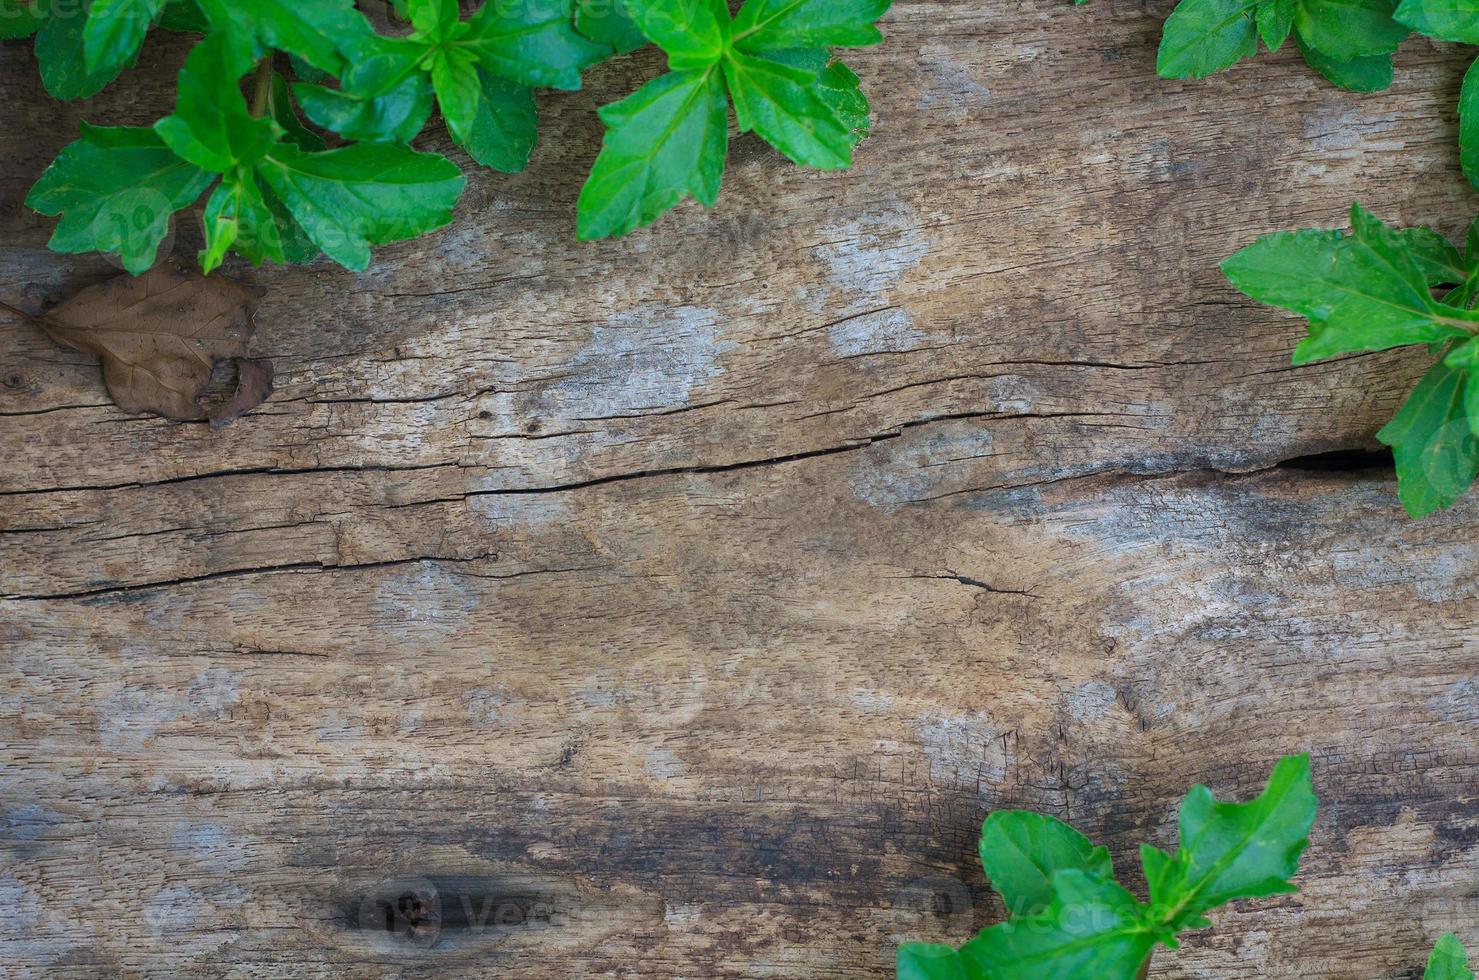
(1144, 970)
(263, 87)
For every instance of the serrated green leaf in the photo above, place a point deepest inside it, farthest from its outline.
(313, 30)
(61, 51)
(664, 142)
(1448, 961)
(1093, 928)
(1235, 850)
(769, 25)
(1344, 30)
(116, 190)
(693, 33)
(1021, 851)
(931, 961)
(813, 125)
(534, 44)
(1362, 292)
(362, 195)
(1446, 20)
(505, 126)
(20, 18)
(1438, 258)
(454, 76)
(115, 31)
(493, 118)
(1468, 130)
(1275, 20)
(1206, 36)
(242, 216)
(1433, 442)
(396, 116)
(607, 22)
(211, 125)
(1370, 74)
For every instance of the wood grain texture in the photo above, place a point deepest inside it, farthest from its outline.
(684, 603)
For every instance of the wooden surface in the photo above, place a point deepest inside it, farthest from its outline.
(688, 600)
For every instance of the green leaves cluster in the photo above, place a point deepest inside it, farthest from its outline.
(1350, 42)
(770, 62)
(1070, 918)
(1374, 289)
(1378, 288)
(346, 180)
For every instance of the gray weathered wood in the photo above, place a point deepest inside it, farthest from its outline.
(699, 593)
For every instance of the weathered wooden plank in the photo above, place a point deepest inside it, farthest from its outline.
(1010, 244)
(700, 592)
(770, 719)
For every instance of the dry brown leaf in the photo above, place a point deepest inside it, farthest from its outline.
(164, 338)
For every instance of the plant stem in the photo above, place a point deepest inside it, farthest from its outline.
(1144, 970)
(17, 311)
(263, 89)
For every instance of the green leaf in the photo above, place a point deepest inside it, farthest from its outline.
(693, 33)
(1437, 257)
(115, 190)
(222, 223)
(1021, 850)
(1446, 20)
(813, 125)
(1465, 357)
(1363, 292)
(664, 142)
(534, 44)
(432, 17)
(607, 22)
(1433, 443)
(21, 18)
(1206, 36)
(1093, 928)
(1369, 74)
(313, 30)
(779, 24)
(1234, 850)
(931, 961)
(115, 31)
(454, 76)
(493, 118)
(1275, 20)
(505, 126)
(1343, 30)
(280, 108)
(379, 65)
(1468, 130)
(361, 195)
(242, 216)
(396, 116)
(61, 50)
(1449, 961)
(211, 125)
(184, 16)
